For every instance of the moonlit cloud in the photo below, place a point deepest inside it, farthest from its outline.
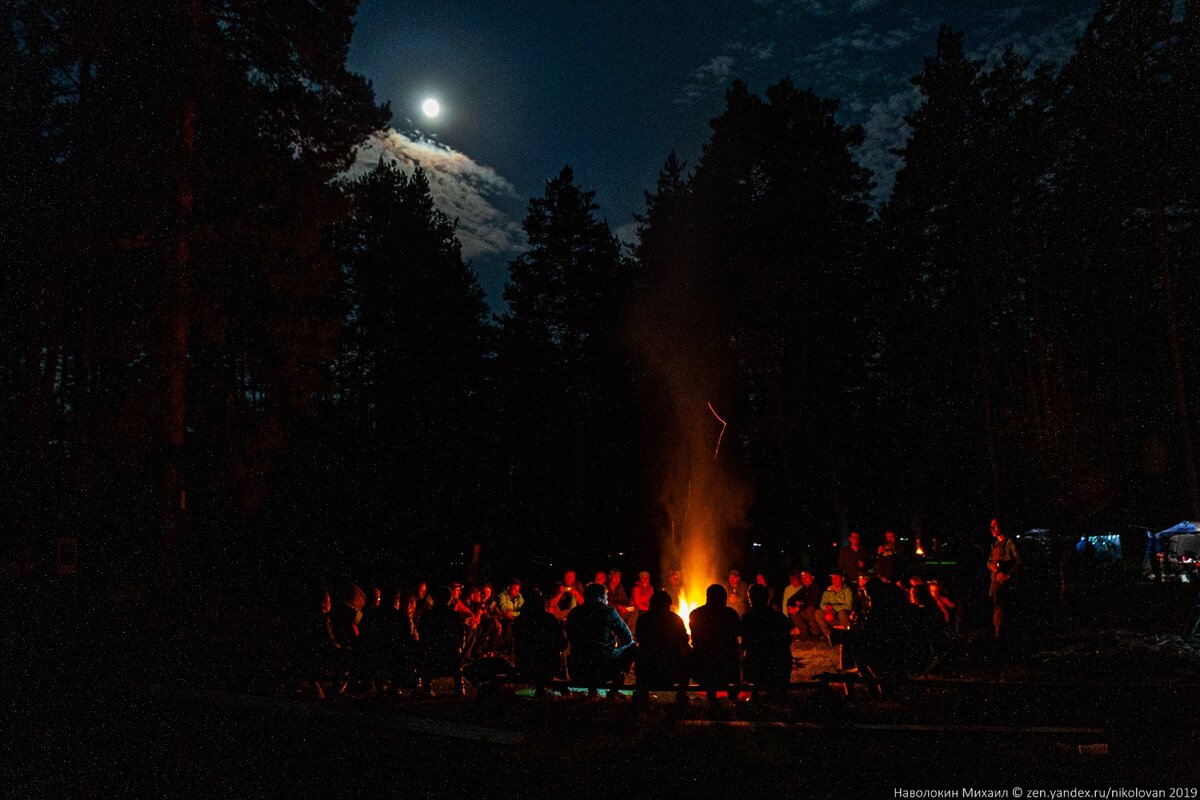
(1052, 45)
(720, 67)
(708, 78)
(885, 130)
(462, 188)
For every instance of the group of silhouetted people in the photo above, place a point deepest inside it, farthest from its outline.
(594, 636)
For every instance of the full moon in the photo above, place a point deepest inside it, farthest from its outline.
(431, 107)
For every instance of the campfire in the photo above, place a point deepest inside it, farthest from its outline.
(704, 504)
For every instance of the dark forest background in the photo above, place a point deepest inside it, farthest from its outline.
(223, 364)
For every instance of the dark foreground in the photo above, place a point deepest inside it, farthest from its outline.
(171, 747)
(1103, 696)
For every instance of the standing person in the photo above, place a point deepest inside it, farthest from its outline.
(889, 557)
(538, 642)
(716, 651)
(602, 647)
(1002, 563)
(853, 559)
(663, 648)
(766, 644)
(736, 592)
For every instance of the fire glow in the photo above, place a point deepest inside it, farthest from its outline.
(708, 505)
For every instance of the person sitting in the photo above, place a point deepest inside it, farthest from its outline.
(794, 586)
(931, 635)
(716, 653)
(884, 643)
(573, 585)
(862, 602)
(315, 647)
(736, 592)
(948, 607)
(406, 647)
(836, 604)
(442, 635)
(808, 600)
(766, 644)
(562, 601)
(602, 647)
(508, 606)
(345, 615)
(674, 588)
(538, 642)
(642, 592)
(618, 598)
(663, 648)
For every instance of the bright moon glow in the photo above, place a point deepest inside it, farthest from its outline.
(431, 107)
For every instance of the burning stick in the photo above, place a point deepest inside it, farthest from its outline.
(721, 436)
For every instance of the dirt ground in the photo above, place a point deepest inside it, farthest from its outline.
(1102, 692)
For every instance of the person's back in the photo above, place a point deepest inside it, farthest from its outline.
(441, 634)
(315, 644)
(663, 648)
(539, 641)
(600, 640)
(715, 628)
(884, 643)
(767, 642)
(593, 630)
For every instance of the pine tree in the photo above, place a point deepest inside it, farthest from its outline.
(564, 369)
(409, 408)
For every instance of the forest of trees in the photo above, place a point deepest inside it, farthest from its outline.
(222, 360)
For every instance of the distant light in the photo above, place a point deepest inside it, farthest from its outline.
(431, 107)
(756, 544)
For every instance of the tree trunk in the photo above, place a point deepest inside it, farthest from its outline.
(175, 346)
(1181, 404)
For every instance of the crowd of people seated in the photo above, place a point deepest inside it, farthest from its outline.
(595, 635)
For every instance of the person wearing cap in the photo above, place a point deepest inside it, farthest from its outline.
(836, 604)
(807, 603)
(737, 592)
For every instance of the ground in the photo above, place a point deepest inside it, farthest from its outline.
(1104, 695)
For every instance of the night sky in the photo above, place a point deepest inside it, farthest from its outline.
(611, 87)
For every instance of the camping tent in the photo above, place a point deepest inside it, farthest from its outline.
(1180, 543)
